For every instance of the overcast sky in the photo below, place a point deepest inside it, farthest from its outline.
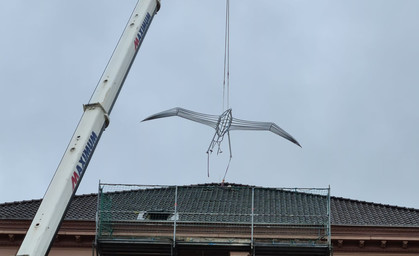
(341, 76)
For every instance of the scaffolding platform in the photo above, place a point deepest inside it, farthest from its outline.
(212, 219)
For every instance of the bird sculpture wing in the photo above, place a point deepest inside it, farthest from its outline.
(210, 120)
(230, 123)
(238, 124)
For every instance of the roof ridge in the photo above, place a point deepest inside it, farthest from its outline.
(219, 184)
(238, 185)
(39, 199)
(374, 203)
(21, 202)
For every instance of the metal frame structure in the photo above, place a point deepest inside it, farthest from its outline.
(230, 217)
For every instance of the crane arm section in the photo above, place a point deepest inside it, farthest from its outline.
(93, 122)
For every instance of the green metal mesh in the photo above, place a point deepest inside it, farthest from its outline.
(196, 212)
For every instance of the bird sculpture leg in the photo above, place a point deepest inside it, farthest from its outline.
(209, 151)
(231, 156)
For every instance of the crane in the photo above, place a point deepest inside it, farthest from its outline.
(95, 119)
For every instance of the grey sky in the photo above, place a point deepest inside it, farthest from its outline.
(340, 76)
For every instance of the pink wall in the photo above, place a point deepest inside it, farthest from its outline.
(11, 251)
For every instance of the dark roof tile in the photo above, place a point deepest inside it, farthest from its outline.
(269, 204)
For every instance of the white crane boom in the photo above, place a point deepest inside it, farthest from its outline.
(93, 122)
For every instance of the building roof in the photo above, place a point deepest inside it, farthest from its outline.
(232, 199)
(214, 204)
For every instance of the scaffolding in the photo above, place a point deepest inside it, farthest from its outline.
(244, 217)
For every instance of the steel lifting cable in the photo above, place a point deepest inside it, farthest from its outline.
(226, 81)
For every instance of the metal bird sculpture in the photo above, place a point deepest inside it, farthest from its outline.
(222, 125)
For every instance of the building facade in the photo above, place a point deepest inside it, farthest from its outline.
(219, 219)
